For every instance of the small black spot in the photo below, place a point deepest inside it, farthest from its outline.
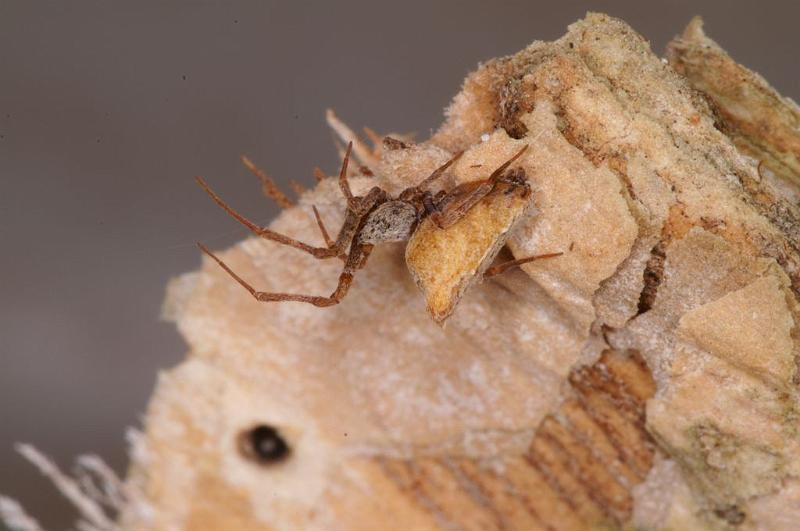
(731, 514)
(235, 21)
(183, 77)
(264, 445)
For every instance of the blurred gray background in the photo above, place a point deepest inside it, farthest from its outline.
(107, 110)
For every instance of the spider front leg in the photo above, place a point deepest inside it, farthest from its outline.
(414, 191)
(356, 259)
(454, 205)
(333, 249)
(451, 207)
(263, 232)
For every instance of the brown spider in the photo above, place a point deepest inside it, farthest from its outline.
(375, 218)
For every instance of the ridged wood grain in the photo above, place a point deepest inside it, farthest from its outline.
(577, 473)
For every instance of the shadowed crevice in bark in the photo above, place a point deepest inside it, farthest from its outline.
(653, 274)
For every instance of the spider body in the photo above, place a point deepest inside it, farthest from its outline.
(377, 217)
(392, 221)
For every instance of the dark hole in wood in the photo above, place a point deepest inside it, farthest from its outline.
(263, 444)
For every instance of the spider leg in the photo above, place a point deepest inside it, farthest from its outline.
(496, 174)
(317, 252)
(354, 218)
(457, 202)
(357, 257)
(438, 172)
(501, 268)
(322, 228)
(343, 183)
(366, 250)
(268, 185)
(326, 236)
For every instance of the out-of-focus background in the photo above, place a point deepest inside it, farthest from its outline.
(108, 109)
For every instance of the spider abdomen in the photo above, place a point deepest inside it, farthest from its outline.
(393, 221)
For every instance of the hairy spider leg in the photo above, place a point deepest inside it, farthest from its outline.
(438, 172)
(268, 185)
(496, 174)
(456, 203)
(331, 243)
(505, 266)
(272, 191)
(263, 232)
(355, 260)
(354, 217)
(322, 228)
(358, 208)
(366, 250)
(414, 191)
(343, 182)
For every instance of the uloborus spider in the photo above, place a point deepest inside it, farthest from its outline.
(377, 217)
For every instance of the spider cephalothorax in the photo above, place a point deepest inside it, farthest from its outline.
(376, 217)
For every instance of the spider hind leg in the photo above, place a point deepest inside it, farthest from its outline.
(355, 260)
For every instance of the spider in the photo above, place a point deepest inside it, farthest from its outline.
(376, 218)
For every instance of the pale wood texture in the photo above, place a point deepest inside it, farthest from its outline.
(760, 121)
